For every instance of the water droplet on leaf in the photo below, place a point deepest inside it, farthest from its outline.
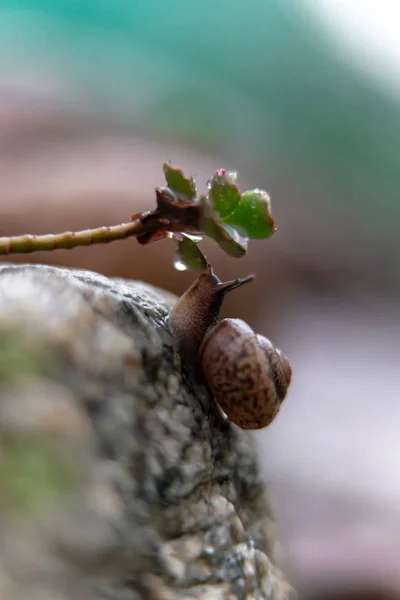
(195, 238)
(179, 264)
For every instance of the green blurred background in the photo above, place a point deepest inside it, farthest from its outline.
(96, 94)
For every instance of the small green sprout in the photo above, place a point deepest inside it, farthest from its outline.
(224, 214)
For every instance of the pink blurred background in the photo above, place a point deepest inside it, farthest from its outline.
(301, 99)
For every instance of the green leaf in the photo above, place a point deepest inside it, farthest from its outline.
(223, 192)
(252, 217)
(178, 183)
(190, 255)
(227, 238)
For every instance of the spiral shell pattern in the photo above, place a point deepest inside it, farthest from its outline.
(247, 376)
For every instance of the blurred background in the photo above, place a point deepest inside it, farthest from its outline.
(302, 98)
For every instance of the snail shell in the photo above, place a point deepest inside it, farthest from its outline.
(248, 377)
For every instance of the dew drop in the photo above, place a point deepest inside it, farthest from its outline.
(179, 265)
(233, 175)
(195, 238)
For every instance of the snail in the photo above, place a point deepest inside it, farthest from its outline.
(246, 374)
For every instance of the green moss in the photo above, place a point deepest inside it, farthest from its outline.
(34, 474)
(21, 356)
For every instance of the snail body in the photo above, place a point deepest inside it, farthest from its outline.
(246, 374)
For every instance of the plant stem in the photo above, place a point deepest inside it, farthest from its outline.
(70, 239)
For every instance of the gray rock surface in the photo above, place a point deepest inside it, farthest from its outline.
(118, 477)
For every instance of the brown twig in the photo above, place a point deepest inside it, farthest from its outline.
(171, 215)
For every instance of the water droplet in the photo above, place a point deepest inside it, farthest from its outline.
(179, 265)
(195, 238)
(233, 175)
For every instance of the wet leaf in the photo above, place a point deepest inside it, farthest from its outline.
(252, 217)
(190, 255)
(228, 239)
(223, 192)
(178, 183)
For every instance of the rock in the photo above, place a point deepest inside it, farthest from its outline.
(118, 477)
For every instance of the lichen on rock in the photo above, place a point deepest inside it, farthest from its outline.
(137, 488)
